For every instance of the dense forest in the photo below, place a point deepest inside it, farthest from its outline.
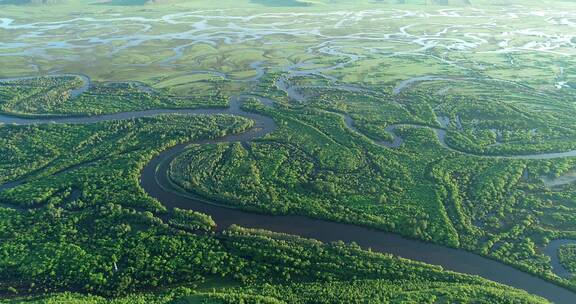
(79, 221)
(446, 125)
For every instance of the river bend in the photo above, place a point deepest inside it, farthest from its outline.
(155, 181)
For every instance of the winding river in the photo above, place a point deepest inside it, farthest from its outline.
(552, 251)
(237, 30)
(155, 181)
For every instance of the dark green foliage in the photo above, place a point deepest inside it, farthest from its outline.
(268, 262)
(53, 95)
(90, 226)
(101, 160)
(192, 220)
(567, 255)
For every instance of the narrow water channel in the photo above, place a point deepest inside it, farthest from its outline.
(155, 181)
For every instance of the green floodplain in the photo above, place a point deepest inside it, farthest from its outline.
(448, 122)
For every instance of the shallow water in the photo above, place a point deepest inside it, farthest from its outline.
(552, 251)
(565, 179)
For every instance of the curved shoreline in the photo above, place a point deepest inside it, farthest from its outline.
(552, 250)
(397, 141)
(87, 82)
(155, 181)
